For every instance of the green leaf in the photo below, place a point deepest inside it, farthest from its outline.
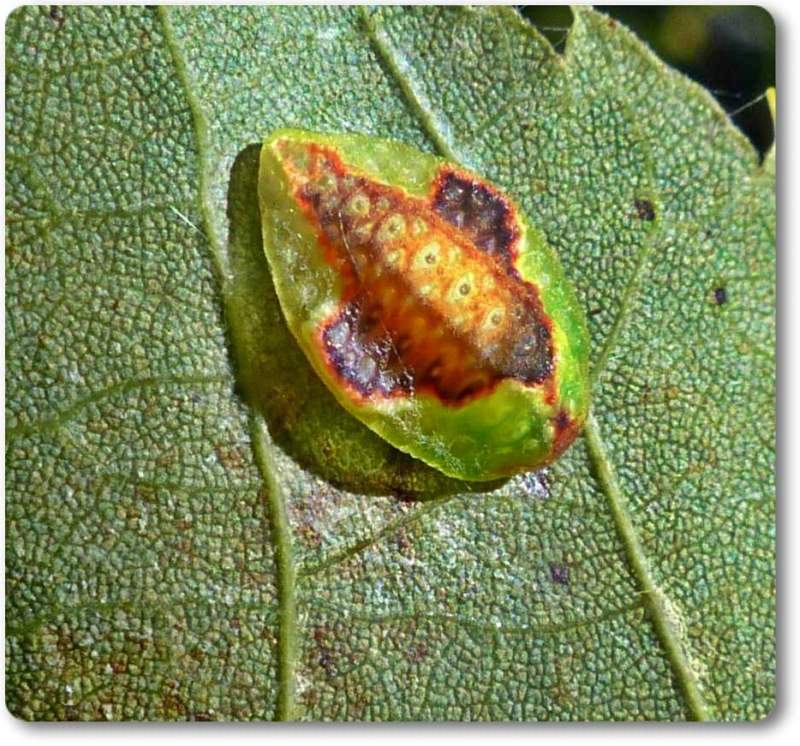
(195, 529)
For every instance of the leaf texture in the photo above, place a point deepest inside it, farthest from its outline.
(195, 529)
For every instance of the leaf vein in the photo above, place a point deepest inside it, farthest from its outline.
(59, 419)
(360, 546)
(493, 628)
(261, 443)
(657, 602)
(392, 63)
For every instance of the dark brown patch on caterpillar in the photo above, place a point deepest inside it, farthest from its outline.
(364, 353)
(479, 211)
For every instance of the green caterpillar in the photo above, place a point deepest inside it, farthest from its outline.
(425, 300)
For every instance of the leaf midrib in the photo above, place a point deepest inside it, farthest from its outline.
(285, 570)
(656, 600)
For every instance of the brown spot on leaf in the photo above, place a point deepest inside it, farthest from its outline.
(173, 705)
(417, 652)
(325, 653)
(309, 535)
(119, 666)
(57, 16)
(403, 542)
(230, 457)
(559, 573)
(645, 209)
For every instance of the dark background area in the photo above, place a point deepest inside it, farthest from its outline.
(728, 49)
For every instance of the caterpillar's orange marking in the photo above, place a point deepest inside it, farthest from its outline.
(432, 300)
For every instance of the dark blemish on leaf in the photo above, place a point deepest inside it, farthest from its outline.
(325, 656)
(720, 296)
(364, 354)
(559, 573)
(266, 632)
(66, 642)
(404, 496)
(417, 652)
(482, 213)
(594, 311)
(645, 209)
(57, 16)
(173, 705)
(526, 360)
(403, 543)
(230, 457)
(310, 698)
(235, 623)
(309, 535)
(118, 666)
(326, 661)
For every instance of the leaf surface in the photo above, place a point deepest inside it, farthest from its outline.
(195, 529)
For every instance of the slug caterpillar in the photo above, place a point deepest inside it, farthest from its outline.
(426, 301)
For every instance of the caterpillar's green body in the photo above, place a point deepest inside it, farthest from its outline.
(428, 304)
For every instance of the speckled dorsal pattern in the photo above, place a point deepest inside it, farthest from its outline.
(432, 300)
